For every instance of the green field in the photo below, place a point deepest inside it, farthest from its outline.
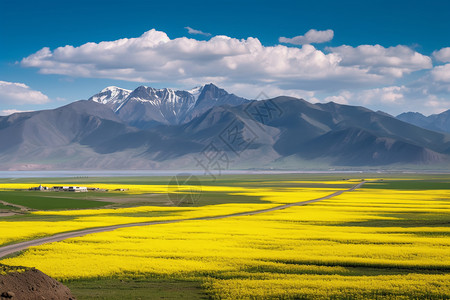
(414, 184)
(49, 200)
(7, 207)
(137, 289)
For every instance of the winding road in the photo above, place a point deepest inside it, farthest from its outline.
(13, 248)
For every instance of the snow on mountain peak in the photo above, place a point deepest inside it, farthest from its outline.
(196, 91)
(165, 95)
(111, 94)
(114, 89)
(115, 96)
(145, 105)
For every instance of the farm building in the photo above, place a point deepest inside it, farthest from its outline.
(39, 188)
(70, 188)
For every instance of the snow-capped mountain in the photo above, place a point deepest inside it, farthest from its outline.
(112, 96)
(147, 107)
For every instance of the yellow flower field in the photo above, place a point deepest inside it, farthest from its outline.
(164, 189)
(370, 243)
(88, 218)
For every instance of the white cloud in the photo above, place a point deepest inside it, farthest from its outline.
(391, 99)
(393, 61)
(391, 95)
(425, 102)
(394, 99)
(195, 31)
(20, 93)
(442, 55)
(260, 92)
(435, 82)
(311, 37)
(386, 96)
(154, 57)
(7, 112)
(441, 73)
(342, 98)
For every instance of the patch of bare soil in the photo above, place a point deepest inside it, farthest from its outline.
(22, 208)
(31, 284)
(7, 214)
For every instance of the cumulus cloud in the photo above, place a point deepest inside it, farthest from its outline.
(393, 61)
(388, 96)
(391, 95)
(265, 91)
(442, 55)
(395, 99)
(20, 93)
(441, 73)
(195, 31)
(154, 57)
(311, 37)
(342, 98)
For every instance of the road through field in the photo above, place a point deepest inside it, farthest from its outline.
(10, 249)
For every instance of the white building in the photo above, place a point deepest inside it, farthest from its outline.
(39, 188)
(77, 189)
(70, 188)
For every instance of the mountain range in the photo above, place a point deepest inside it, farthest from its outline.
(146, 107)
(208, 128)
(436, 122)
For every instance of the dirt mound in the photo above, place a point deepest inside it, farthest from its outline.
(30, 284)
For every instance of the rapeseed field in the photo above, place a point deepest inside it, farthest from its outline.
(364, 244)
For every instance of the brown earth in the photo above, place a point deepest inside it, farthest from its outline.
(31, 284)
(7, 214)
(22, 208)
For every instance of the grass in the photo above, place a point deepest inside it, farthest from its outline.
(7, 207)
(37, 218)
(244, 180)
(406, 220)
(5, 269)
(48, 200)
(411, 185)
(136, 289)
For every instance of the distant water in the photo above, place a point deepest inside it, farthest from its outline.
(100, 173)
(123, 173)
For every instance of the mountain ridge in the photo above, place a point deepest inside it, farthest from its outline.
(435, 122)
(146, 107)
(282, 132)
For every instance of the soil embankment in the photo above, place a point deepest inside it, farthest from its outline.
(18, 283)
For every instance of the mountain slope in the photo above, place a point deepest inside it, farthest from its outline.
(354, 146)
(436, 122)
(75, 122)
(63, 134)
(342, 135)
(387, 126)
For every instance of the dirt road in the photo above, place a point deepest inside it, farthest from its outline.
(22, 208)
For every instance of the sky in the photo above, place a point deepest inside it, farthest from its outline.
(392, 56)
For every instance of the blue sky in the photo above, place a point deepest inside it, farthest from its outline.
(385, 55)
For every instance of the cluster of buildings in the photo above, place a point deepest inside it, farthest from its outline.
(61, 188)
(71, 189)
